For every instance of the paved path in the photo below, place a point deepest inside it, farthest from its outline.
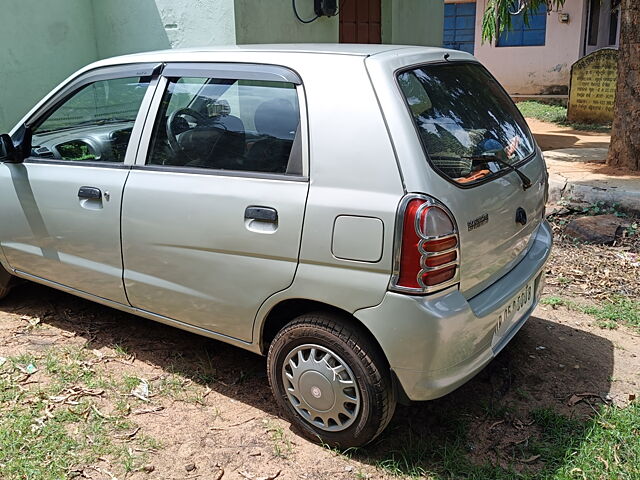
(578, 174)
(554, 137)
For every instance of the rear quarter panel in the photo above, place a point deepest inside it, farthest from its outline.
(353, 171)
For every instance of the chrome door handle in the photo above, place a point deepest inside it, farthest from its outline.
(263, 214)
(90, 192)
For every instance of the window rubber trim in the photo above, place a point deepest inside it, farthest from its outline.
(503, 171)
(235, 71)
(220, 173)
(75, 163)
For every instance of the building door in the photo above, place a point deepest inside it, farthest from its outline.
(460, 26)
(603, 25)
(360, 21)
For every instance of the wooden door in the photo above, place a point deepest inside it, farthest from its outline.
(360, 21)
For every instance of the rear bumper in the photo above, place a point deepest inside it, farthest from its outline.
(436, 343)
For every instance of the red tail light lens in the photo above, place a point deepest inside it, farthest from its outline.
(428, 255)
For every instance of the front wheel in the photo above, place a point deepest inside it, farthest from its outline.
(331, 380)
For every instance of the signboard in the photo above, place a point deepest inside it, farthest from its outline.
(593, 87)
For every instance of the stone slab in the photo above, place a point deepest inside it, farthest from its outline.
(592, 90)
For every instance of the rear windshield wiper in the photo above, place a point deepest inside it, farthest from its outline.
(526, 182)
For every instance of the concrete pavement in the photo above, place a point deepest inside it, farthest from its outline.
(579, 177)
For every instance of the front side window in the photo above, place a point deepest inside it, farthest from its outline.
(227, 124)
(467, 124)
(93, 124)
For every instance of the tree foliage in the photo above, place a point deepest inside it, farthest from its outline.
(498, 13)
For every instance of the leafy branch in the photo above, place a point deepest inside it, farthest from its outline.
(498, 14)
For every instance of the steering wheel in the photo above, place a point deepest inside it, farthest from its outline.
(172, 137)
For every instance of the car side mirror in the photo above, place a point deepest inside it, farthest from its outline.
(8, 152)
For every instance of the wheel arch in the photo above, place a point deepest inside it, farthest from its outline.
(287, 310)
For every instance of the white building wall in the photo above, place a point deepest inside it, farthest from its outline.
(536, 70)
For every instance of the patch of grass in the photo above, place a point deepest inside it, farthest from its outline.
(620, 309)
(436, 458)
(173, 386)
(129, 383)
(543, 111)
(555, 301)
(523, 394)
(604, 447)
(556, 114)
(27, 452)
(610, 314)
(68, 366)
(282, 446)
(120, 350)
(609, 447)
(44, 437)
(602, 208)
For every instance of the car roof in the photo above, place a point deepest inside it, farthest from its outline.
(293, 56)
(269, 52)
(362, 50)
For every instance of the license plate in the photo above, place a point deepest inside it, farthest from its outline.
(514, 309)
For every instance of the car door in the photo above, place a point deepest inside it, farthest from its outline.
(213, 210)
(60, 208)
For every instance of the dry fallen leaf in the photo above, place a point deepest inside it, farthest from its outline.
(141, 391)
(578, 397)
(531, 459)
(604, 462)
(218, 475)
(270, 477)
(142, 411)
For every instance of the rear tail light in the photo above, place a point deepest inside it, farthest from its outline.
(427, 255)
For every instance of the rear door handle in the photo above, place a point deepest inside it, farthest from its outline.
(90, 192)
(263, 214)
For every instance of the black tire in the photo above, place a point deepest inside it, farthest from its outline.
(371, 372)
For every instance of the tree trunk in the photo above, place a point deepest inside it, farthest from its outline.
(625, 134)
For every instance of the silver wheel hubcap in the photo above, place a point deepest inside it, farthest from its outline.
(321, 387)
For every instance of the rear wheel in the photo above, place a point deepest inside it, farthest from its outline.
(331, 380)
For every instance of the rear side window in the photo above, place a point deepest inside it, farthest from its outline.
(228, 124)
(469, 127)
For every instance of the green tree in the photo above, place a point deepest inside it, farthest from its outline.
(625, 134)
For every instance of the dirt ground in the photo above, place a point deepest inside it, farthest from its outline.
(561, 360)
(554, 137)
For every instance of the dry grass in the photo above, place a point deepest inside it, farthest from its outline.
(596, 272)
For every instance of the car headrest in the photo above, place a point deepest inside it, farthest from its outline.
(277, 118)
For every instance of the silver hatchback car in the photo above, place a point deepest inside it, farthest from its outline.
(369, 217)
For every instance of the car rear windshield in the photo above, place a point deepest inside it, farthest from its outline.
(470, 128)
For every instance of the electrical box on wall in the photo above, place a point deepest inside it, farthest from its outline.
(326, 8)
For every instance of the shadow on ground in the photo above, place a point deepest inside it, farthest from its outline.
(560, 140)
(496, 420)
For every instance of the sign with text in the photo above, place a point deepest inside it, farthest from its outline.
(593, 87)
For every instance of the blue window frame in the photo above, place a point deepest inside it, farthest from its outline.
(522, 35)
(460, 26)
